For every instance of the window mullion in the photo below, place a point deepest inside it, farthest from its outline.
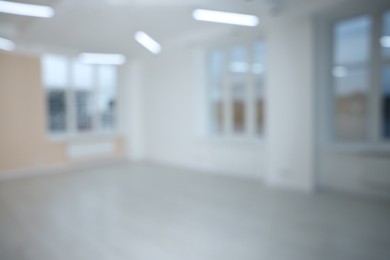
(71, 101)
(375, 122)
(95, 99)
(250, 101)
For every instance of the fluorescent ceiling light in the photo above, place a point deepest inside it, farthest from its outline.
(6, 44)
(26, 9)
(148, 42)
(225, 17)
(385, 41)
(102, 58)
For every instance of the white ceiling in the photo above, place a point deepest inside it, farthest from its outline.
(109, 25)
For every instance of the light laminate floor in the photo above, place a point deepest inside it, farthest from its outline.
(151, 212)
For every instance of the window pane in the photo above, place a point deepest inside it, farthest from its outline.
(385, 40)
(239, 108)
(107, 107)
(258, 69)
(216, 74)
(56, 110)
(107, 77)
(82, 76)
(238, 64)
(216, 65)
(386, 101)
(84, 110)
(352, 41)
(54, 71)
(259, 102)
(351, 104)
(258, 65)
(351, 78)
(217, 109)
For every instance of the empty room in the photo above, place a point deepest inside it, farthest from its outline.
(194, 129)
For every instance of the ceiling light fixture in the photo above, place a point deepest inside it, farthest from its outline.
(225, 17)
(148, 42)
(102, 58)
(6, 44)
(26, 9)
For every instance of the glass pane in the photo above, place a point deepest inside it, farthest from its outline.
(216, 65)
(56, 110)
(107, 107)
(352, 41)
(258, 66)
(238, 64)
(351, 78)
(386, 101)
(259, 103)
(54, 71)
(351, 104)
(84, 110)
(385, 40)
(217, 114)
(107, 76)
(239, 108)
(82, 76)
(258, 69)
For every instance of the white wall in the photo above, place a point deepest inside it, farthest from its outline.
(290, 125)
(365, 172)
(131, 110)
(173, 104)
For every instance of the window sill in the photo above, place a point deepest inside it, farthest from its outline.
(91, 136)
(233, 140)
(382, 150)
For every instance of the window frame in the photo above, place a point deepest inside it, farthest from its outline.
(71, 131)
(324, 25)
(250, 132)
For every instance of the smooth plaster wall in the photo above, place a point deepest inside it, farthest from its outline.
(173, 95)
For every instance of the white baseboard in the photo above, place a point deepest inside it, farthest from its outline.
(58, 168)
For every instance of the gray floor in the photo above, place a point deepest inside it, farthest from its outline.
(141, 212)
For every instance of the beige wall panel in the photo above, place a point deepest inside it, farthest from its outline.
(22, 116)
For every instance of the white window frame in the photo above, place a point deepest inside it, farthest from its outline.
(71, 132)
(250, 131)
(324, 95)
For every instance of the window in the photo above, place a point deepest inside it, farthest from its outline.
(56, 82)
(351, 72)
(361, 78)
(107, 96)
(83, 96)
(236, 90)
(80, 98)
(385, 78)
(258, 70)
(238, 70)
(216, 93)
